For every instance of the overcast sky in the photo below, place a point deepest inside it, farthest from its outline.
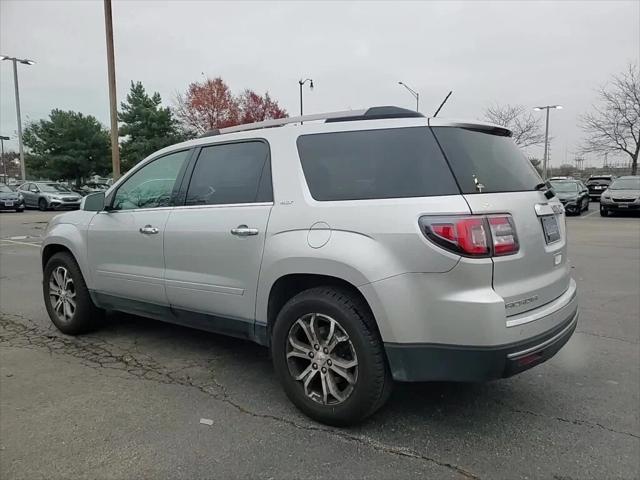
(530, 53)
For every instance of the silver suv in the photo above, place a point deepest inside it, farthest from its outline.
(361, 247)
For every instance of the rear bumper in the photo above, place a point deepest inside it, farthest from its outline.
(424, 362)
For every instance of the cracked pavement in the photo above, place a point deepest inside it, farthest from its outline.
(125, 401)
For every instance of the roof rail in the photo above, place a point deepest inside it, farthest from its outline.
(372, 113)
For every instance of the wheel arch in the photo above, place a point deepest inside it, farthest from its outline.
(66, 238)
(289, 285)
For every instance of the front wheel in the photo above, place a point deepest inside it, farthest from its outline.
(328, 356)
(42, 205)
(66, 296)
(603, 211)
(586, 205)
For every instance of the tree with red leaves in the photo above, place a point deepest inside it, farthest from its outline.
(210, 104)
(254, 108)
(207, 105)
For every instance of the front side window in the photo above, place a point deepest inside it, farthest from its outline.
(231, 173)
(152, 185)
(374, 164)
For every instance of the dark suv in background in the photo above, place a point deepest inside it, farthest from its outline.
(598, 184)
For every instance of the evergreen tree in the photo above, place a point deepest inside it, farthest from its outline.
(146, 126)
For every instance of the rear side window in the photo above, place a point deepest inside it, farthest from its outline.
(231, 173)
(361, 165)
(486, 163)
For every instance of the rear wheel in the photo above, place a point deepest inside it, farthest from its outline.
(328, 355)
(66, 296)
(42, 205)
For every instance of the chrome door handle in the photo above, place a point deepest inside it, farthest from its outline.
(244, 231)
(149, 230)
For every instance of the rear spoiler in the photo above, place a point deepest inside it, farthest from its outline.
(489, 128)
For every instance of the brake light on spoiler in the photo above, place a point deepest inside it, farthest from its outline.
(472, 235)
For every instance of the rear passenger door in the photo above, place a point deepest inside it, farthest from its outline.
(214, 242)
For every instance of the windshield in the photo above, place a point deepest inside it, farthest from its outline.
(52, 187)
(5, 189)
(486, 163)
(565, 187)
(626, 184)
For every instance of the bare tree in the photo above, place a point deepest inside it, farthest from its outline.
(526, 128)
(614, 123)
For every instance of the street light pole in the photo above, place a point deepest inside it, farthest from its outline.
(113, 108)
(301, 83)
(415, 94)
(15, 61)
(4, 162)
(545, 162)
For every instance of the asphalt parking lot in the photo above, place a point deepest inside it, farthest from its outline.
(126, 401)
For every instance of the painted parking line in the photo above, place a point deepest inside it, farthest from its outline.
(4, 241)
(593, 212)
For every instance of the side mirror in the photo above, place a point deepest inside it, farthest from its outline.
(93, 202)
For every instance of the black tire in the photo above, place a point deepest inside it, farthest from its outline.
(578, 210)
(586, 205)
(20, 210)
(42, 205)
(374, 382)
(604, 212)
(86, 316)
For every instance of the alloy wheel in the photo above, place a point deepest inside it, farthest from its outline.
(321, 356)
(62, 294)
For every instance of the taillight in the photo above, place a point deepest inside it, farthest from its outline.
(503, 233)
(473, 235)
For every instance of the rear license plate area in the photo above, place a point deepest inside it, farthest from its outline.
(550, 228)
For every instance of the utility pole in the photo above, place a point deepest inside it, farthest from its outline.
(546, 137)
(15, 61)
(4, 160)
(113, 108)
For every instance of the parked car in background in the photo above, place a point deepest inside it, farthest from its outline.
(376, 246)
(573, 194)
(622, 195)
(90, 187)
(10, 200)
(598, 184)
(49, 195)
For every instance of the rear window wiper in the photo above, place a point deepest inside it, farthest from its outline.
(545, 185)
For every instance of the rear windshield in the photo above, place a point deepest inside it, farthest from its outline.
(388, 163)
(599, 181)
(626, 184)
(486, 163)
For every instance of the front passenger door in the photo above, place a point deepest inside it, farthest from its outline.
(125, 242)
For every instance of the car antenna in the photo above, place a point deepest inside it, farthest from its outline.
(442, 104)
